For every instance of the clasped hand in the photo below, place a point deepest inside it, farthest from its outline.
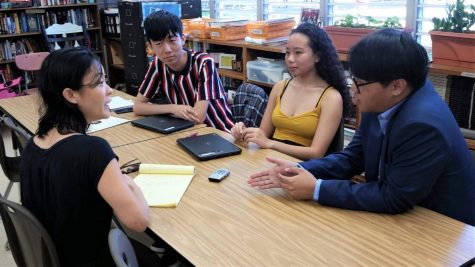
(298, 182)
(251, 134)
(186, 112)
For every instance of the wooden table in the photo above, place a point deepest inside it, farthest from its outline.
(24, 110)
(233, 224)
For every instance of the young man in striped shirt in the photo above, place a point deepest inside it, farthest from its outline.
(188, 79)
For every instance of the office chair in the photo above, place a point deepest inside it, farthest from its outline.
(249, 104)
(29, 241)
(121, 249)
(29, 62)
(59, 36)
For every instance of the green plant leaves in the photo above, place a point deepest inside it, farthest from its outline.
(458, 18)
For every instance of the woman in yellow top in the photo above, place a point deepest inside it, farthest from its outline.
(303, 113)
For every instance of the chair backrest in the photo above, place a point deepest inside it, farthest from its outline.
(31, 61)
(469, 134)
(121, 249)
(10, 165)
(249, 104)
(338, 140)
(59, 36)
(19, 136)
(29, 241)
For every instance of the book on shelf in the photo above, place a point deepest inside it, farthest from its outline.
(32, 22)
(17, 23)
(164, 185)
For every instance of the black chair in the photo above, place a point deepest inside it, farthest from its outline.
(19, 136)
(338, 140)
(29, 241)
(469, 134)
(10, 166)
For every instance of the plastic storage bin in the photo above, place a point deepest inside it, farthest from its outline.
(266, 71)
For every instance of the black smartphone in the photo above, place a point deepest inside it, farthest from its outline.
(124, 110)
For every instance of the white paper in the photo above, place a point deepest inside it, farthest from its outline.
(119, 102)
(106, 123)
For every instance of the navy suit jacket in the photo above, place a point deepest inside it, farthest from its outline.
(422, 160)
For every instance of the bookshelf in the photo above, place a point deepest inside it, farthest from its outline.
(21, 28)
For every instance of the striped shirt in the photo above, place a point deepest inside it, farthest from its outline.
(198, 81)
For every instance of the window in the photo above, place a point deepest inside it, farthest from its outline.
(236, 9)
(276, 9)
(362, 9)
(413, 14)
(205, 9)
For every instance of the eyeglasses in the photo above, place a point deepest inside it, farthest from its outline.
(358, 85)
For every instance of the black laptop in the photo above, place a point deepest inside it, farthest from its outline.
(208, 146)
(163, 123)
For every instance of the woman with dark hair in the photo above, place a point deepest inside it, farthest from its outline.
(71, 181)
(303, 113)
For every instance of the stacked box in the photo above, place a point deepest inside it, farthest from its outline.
(227, 33)
(270, 29)
(199, 28)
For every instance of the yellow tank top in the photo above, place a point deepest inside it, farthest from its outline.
(299, 129)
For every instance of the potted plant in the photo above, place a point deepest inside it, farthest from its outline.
(349, 30)
(453, 43)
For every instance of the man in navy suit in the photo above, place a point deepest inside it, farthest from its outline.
(408, 145)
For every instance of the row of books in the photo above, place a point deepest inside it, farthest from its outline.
(78, 16)
(9, 49)
(18, 23)
(60, 2)
(8, 72)
(21, 22)
(94, 41)
(194, 45)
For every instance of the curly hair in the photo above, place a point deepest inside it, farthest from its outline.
(328, 67)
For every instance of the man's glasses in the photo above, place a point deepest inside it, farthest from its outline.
(358, 85)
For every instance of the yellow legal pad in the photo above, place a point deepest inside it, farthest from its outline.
(164, 185)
